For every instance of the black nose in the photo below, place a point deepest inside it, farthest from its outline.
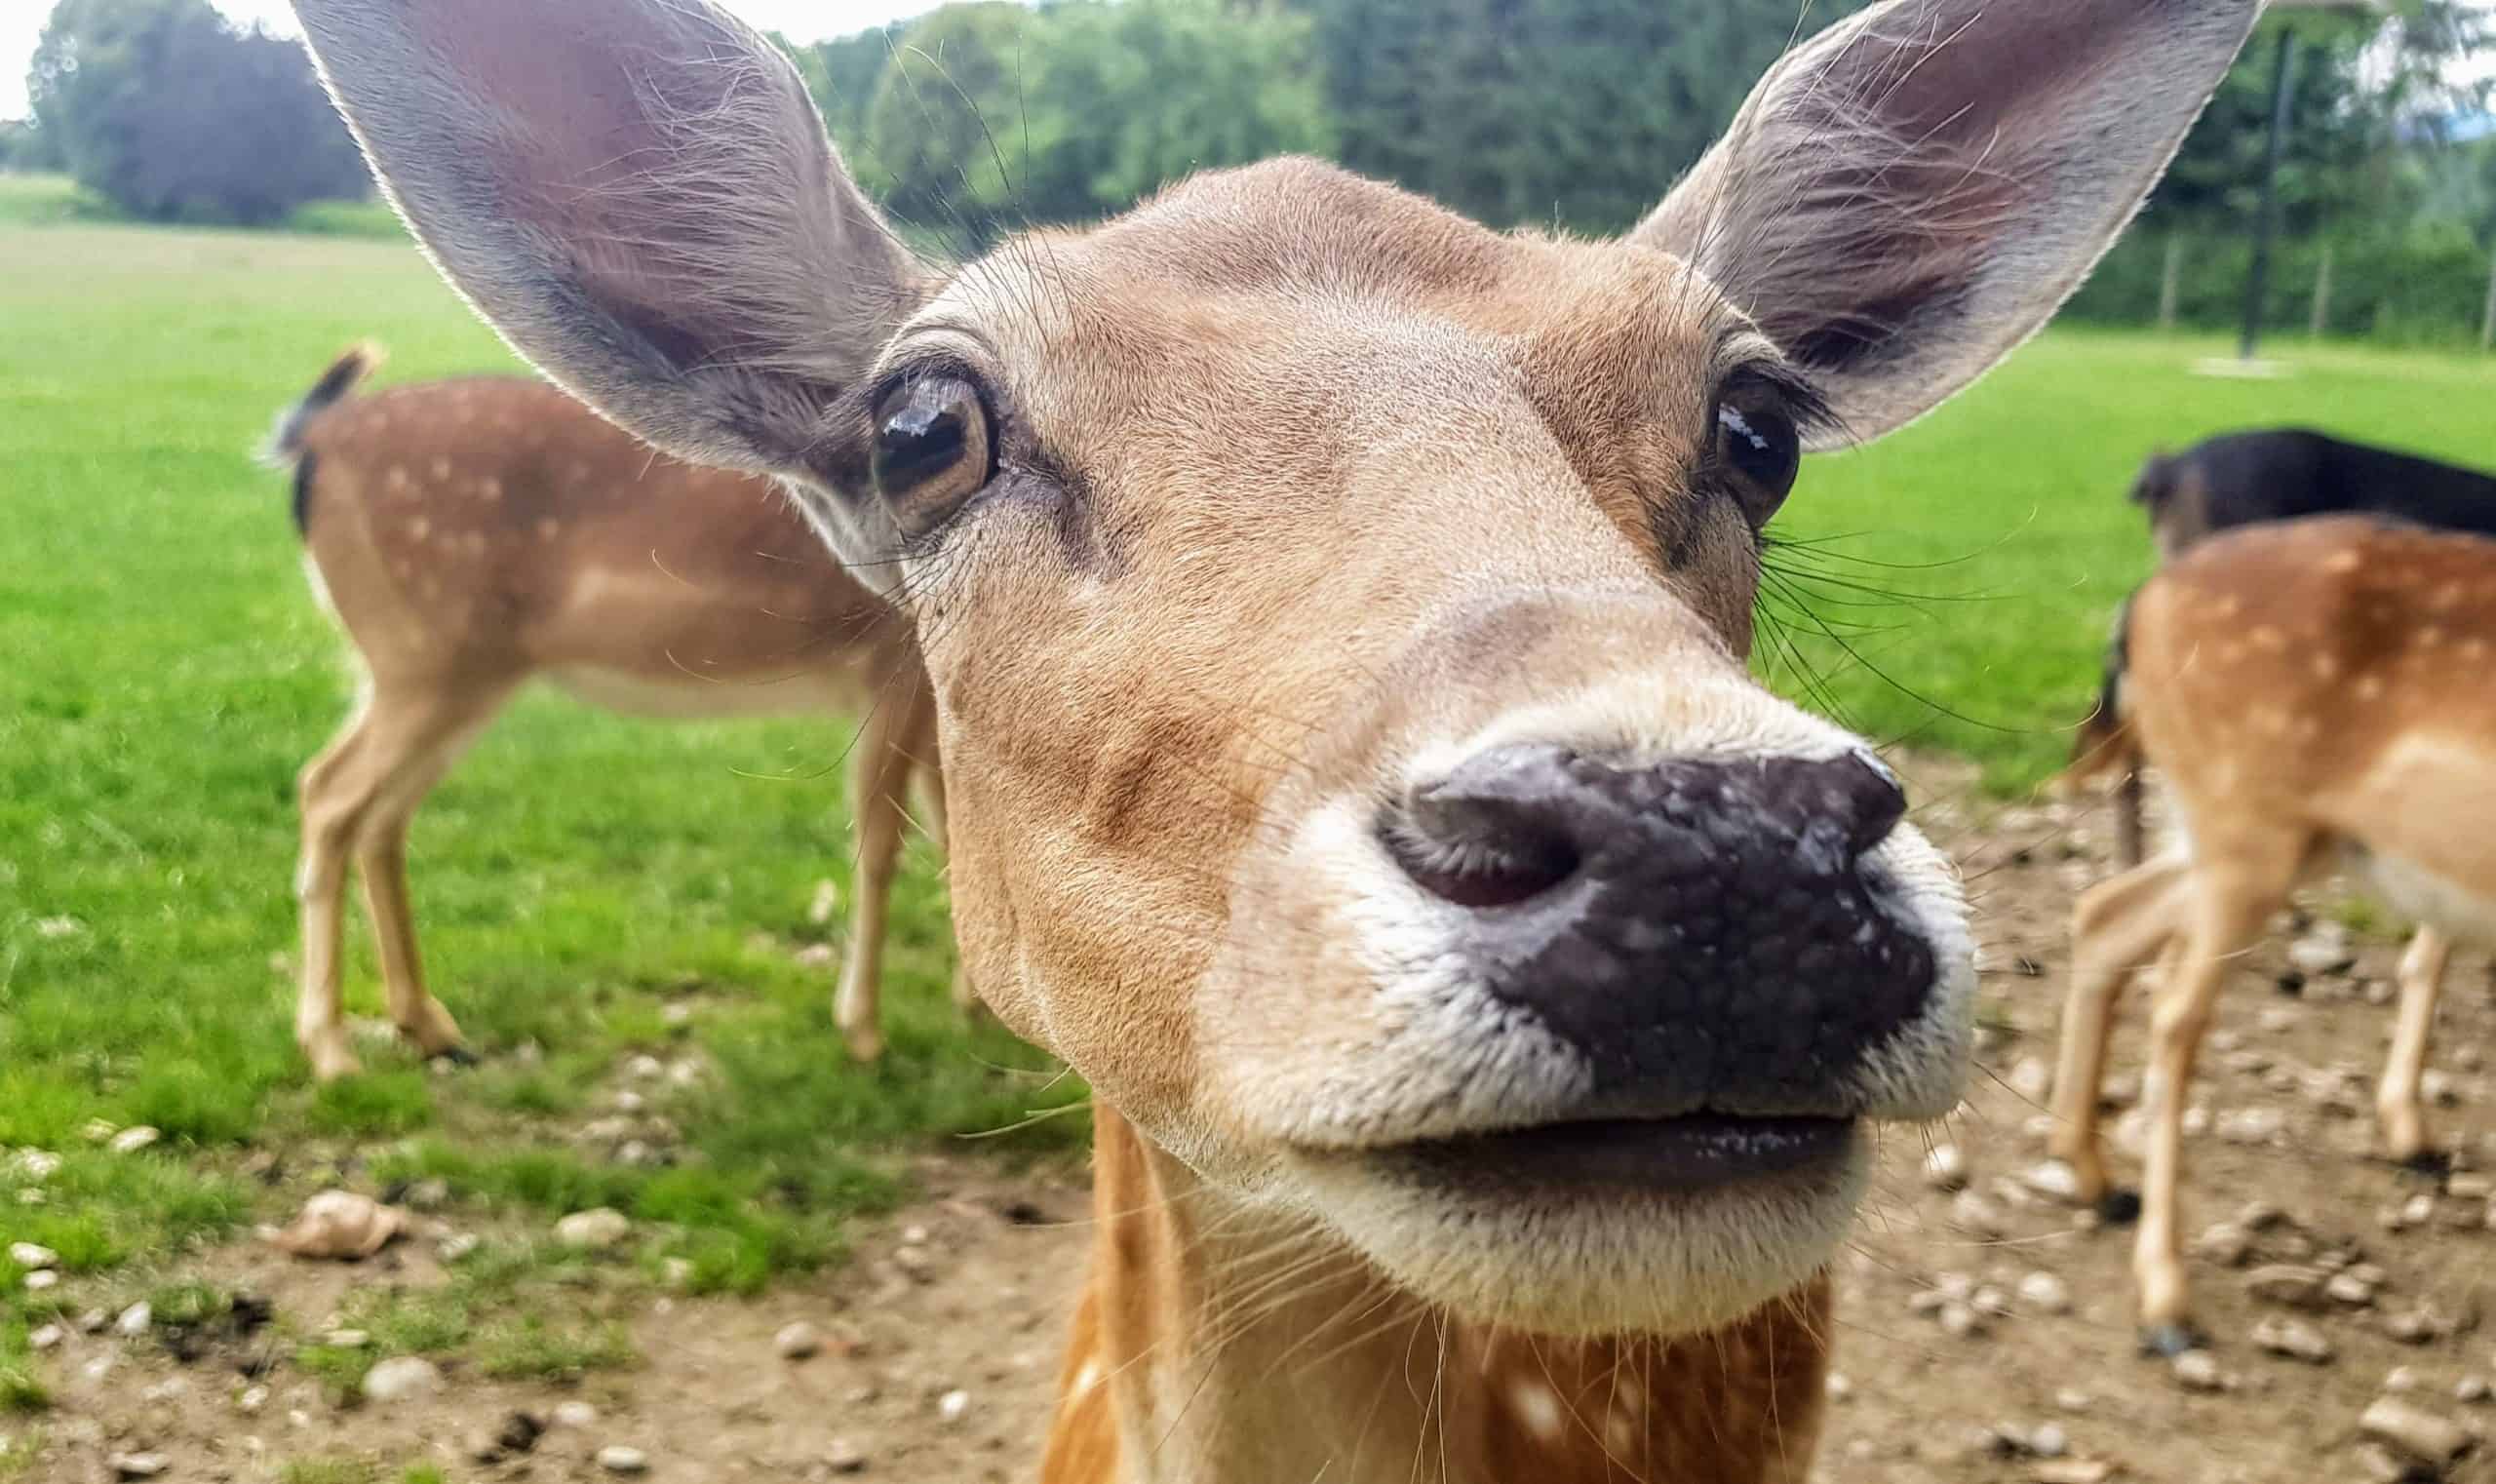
(1704, 930)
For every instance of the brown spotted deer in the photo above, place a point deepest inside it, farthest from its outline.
(2316, 692)
(1337, 615)
(473, 536)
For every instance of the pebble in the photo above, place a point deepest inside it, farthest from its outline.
(2049, 1441)
(576, 1414)
(1990, 1302)
(1945, 1167)
(826, 902)
(2225, 1243)
(2053, 1178)
(2074, 1401)
(645, 1067)
(346, 1339)
(136, 1466)
(252, 1399)
(954, 1406)
(600, 1227)
(2402, 1379)
(1961, 1320)
(41, 1279)
(2276, 1019)
(29, 1254)
(92, 1321)
(457, 1245)
(2198, 1371)
(1839, 1387)
(2418, 1209)
(2290, 1284)
(2350, 1289)
(47, 1337)
(798, 1341)
(2471, 1187)
(2471, 1390)
(616, 1458)
(2292, 1339)
(2419, 1434)
(129, 1140)
(2196, 1122)
(135, 1320)
(2418, 1326)
(844, 1456)
(401, 1378)
(2046, 1293)
(2321, 952)
(2032, 1078)
(2072, 1471)
(2251, 1125)
(1974, 1215)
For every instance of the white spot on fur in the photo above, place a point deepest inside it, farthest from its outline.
(1538, 1407)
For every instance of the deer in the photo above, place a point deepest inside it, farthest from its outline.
(2267, 474)
(1336, 612)
(2316, 694)
(472, 536)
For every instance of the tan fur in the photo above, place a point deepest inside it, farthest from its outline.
(2315, 693)
(473, 536)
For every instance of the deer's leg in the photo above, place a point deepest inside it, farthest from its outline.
(332, 809)
(402, 761)
(2397, 1110)
(2228, 909)
(932, 795)
(879, 795)
(2118, 926)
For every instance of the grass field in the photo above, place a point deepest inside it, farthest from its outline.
(166, 673)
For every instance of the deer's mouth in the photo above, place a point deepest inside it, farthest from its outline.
(1689, 1154)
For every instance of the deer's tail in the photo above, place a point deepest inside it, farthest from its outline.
(284, 448)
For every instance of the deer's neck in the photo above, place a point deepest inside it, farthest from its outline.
(1213, 1346)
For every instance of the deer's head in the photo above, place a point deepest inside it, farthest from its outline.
(1338, 610)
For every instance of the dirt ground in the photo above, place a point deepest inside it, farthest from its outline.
(965, 1292)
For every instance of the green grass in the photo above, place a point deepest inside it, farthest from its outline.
(167, 674)
(1972, 562)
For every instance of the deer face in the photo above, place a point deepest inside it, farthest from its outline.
(1337, 610)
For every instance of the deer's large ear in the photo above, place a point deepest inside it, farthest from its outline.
(1907, 197)
(639, 194)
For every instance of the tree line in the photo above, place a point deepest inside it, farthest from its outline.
(979, 118)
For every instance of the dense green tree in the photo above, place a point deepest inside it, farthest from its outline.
(169, 113)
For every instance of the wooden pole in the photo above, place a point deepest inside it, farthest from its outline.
(2320, 319)
(2166, 274)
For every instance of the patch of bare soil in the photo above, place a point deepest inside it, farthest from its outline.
(1986, 1330)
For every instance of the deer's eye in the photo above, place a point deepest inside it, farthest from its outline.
(933, 449)
(1756, 448)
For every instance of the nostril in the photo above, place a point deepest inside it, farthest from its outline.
(1491, 834)
(1871, 801)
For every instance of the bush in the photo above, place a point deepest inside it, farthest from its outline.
(170, 114)
(2425, 285)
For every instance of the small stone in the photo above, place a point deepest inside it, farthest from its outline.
(2251, 1125)
(630, 1101)
(2350, 1289)
(2319, 953)
(826, 902)
(598, 1228)
(2439, 1089)
(816, 955)
(616, 1458)
(41, 1279)
(96, 1130)
(2471, 1390)
(953, 1407)
(1945, 1167)
(2418, 1210)
(1976, 1216)
(1990, 1302)
(2073, 1401)
(457, 1245)
(575, 1415)
(2054, 1178)
(29, 1254)
(341, 1225)
(135, 1320)
(2277, 1019)
(2402, 1379)
(2049, 1441)
(1839, 1387)
(2292, 1339)
(2045, 1292)
(2198, 1371)
(2418, 1326)
(2225, 1243)
(1961, 1320)
(129, 1140)
(346, 1339)
(675, 1015)
(46, 1337)
(914, 1261)
(252, 1400)
(798, 1341)
(2072, 1471)
(2196, 1122)
(677, 1273)
(2290, 1283)
(2032, 1078)
(844, 1456)
(1926, 1302)
(136, 1466)
(401, 1378)
(93, 1321)
(2418, 1435)
(645, 1067)
(2378, 993)
(2471, 1187)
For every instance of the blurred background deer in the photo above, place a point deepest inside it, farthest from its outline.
(471, 535)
